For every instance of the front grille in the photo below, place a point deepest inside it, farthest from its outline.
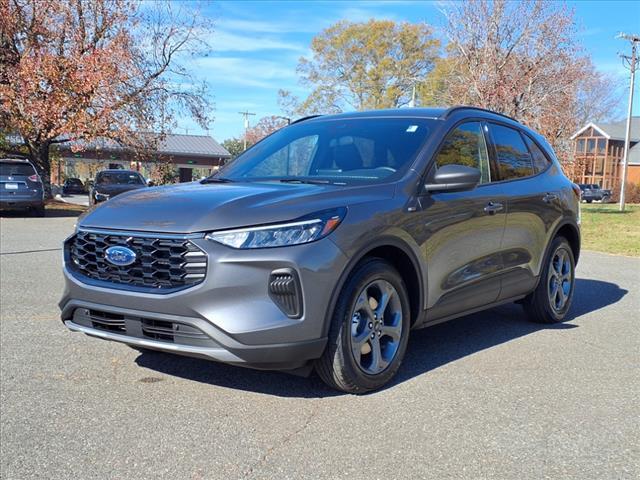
(111, 322)
(161, 263)
(170, 331)
(144, 328)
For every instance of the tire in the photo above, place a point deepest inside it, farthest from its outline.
(589, 201)
(542, 305)
(356, 317)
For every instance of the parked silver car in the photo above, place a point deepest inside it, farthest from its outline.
(326, 243)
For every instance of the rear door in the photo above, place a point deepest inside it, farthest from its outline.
(463, 230)
(532, 202)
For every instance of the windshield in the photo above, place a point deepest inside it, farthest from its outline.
(343, 151)
(119, 178)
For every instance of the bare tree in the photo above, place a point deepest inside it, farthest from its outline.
(522, 59)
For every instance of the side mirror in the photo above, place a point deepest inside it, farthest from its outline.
(454, 178)
(151, 183)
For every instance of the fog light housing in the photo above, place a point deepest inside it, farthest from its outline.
(285, 291)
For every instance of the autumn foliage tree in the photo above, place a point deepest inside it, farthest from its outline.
(521, 59)
(87, 69)
(366, 65)
(264, 127)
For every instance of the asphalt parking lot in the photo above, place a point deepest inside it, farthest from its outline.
(485, 396)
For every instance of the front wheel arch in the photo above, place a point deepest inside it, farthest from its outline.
(401, 256)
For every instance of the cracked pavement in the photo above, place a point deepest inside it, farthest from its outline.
(485, 396)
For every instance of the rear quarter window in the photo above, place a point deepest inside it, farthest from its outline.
(540, 160)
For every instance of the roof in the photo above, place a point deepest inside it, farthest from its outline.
(203, 145)
(615, 130)
(436, 113)
(170, 144)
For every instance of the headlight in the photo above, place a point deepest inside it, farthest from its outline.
(304, 230)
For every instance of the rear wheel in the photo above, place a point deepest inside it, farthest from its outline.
(551, 300)
(369, 330)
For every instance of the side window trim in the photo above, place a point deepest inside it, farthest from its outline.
(491, 153)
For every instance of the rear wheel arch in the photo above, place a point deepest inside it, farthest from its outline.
(572, 234)
(404, 260)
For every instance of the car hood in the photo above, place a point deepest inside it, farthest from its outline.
(195, 207)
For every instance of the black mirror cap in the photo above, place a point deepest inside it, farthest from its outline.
(454, 178)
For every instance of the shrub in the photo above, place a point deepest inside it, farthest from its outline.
(632, 193)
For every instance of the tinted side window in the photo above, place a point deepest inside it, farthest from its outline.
(540, 161)
(514, 160)
(466, 146)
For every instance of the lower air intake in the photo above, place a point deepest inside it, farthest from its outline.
(284, 290)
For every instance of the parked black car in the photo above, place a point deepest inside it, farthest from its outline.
(110, 183)
(592, 191)
(20, 187)
(326, 243)
(73, 186)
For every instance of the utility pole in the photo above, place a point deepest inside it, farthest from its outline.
(246, 114)
(632, 61)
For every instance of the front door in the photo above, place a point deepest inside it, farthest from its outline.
(463, 230)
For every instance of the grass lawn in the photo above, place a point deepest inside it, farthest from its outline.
(605, 229)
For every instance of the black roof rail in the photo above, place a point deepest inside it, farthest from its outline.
(452, 110)
(308, 117)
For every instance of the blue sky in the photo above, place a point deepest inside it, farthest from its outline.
(256, 46)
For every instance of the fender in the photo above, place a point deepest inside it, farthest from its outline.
(386, 240)
(574, 226)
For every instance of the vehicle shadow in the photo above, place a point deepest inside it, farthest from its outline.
(428, 348)
(50, 212)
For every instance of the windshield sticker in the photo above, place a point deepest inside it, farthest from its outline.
(412, 128)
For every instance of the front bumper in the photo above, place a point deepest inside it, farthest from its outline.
(229, 317)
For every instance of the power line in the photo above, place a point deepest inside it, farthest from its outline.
(632, 62)
(245, 115)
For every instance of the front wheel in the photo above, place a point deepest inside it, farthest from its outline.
(551, 300)
(369, 330)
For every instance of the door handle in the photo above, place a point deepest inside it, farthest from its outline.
(549, 197)
(493, 207)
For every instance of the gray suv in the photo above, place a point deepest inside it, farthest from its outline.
(326, 243)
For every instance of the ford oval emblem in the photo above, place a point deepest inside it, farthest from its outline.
(120, 256)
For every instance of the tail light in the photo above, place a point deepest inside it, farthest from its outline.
(35, 178)
(577, 191)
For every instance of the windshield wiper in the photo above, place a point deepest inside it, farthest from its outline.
(306, 180)
(216, 180)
